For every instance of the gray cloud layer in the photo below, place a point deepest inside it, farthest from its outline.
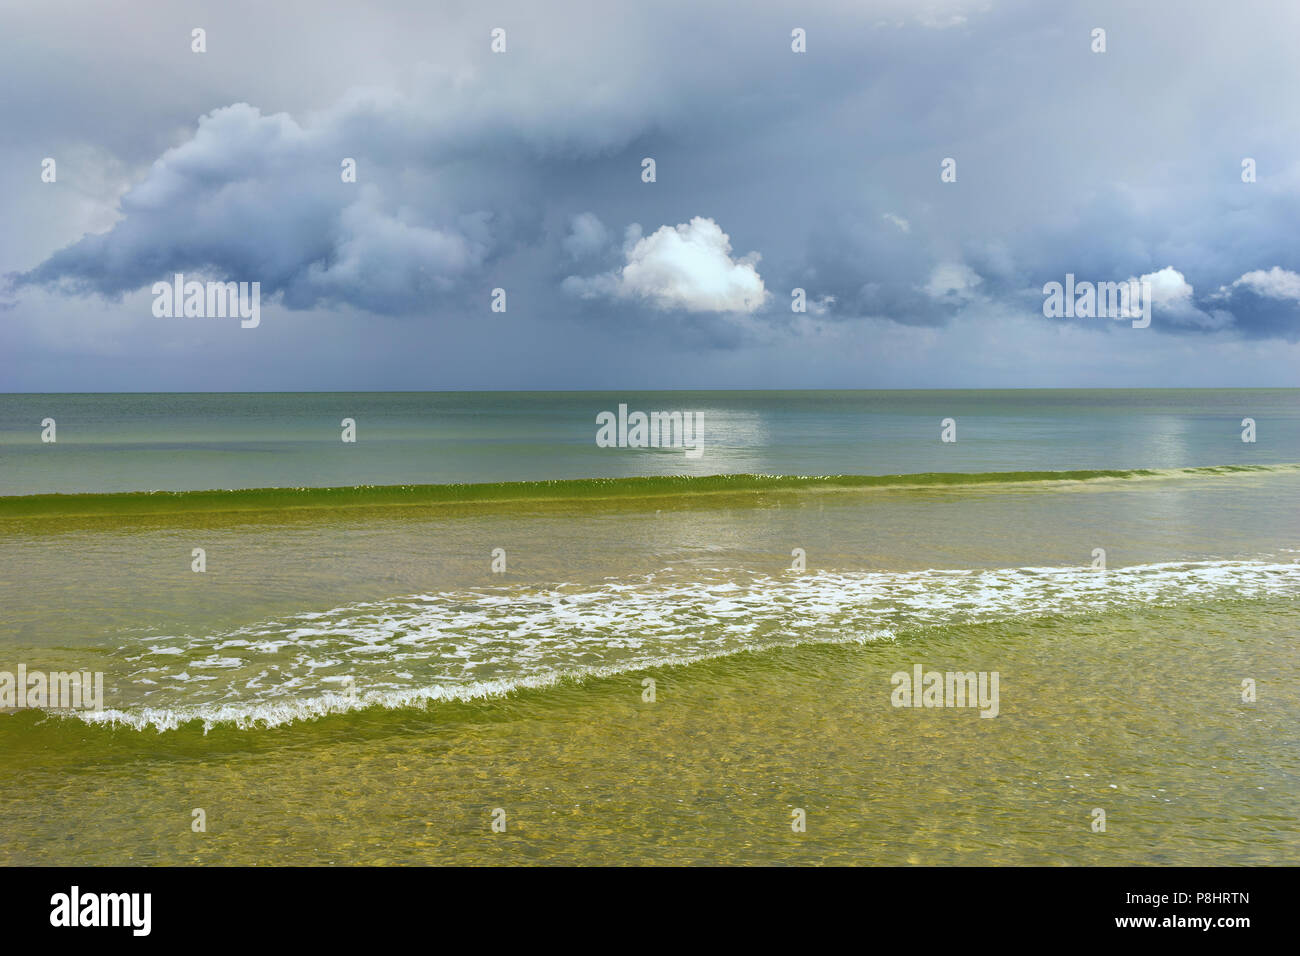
(775, 170)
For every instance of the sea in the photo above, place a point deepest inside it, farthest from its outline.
(453, 627)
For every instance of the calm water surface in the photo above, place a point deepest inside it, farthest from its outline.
(358, 685)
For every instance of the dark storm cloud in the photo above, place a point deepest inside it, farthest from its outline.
(523, 171)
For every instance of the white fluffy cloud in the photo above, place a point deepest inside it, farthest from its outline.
(1170, 290)
(1174, 298)
(1274, 283)
(688, 266)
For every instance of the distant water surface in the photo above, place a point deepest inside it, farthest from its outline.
(144, 442)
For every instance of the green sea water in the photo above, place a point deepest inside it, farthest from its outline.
(203, 441)
(365, 674)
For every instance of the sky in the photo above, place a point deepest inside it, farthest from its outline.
(523, 169)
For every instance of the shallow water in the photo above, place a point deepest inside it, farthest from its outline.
(1119, 689)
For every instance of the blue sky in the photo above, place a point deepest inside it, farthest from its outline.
(775, 170)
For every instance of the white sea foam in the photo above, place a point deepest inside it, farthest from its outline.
(468, 645)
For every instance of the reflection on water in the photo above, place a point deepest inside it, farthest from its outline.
(204, 441)
(1119, 690)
